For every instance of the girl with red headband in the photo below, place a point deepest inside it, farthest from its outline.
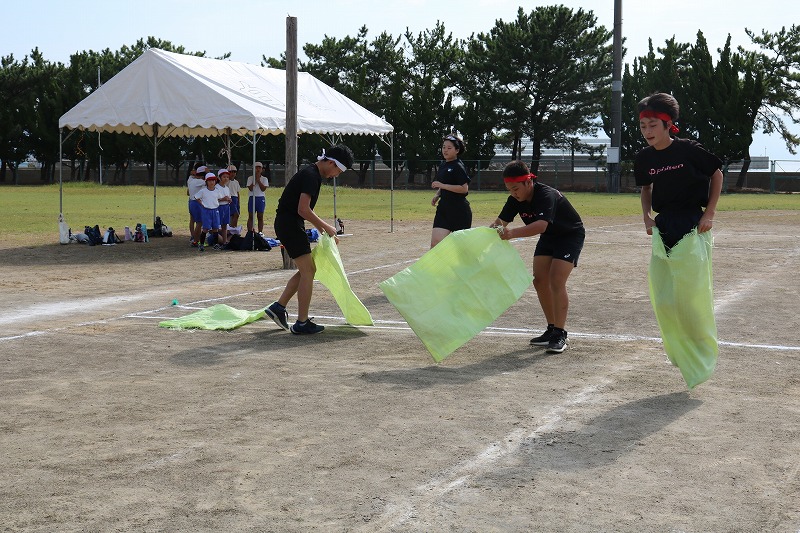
(678, 177)
(452, 187)
(547, 213)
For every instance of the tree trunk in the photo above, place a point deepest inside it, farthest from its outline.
(536, 155)
(742, 180)
(516, 148)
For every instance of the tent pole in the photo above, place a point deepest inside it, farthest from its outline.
(251, 194)
(228, 144)
(155, 170)
(391, 187)
(60, 177)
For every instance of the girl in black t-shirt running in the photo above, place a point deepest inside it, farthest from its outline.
(452, 186)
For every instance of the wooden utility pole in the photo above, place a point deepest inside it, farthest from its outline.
(291, 97)
(614, 160)
(291, 114)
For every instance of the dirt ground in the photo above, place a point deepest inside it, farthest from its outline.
(110, 423)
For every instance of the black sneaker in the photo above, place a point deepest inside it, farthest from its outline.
(558, 343)
(545, 338)
(306, 328)
(278, 314)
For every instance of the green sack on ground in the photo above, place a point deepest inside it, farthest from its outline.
(458, 288)
(681, 292)
(330, 272)
(218, 316)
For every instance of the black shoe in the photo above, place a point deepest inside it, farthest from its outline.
(558, 343)
(278, 314)
(545, 338)
(306, 328)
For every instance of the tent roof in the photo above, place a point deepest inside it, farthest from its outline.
(189, 95)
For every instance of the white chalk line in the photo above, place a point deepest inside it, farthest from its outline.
(397, 325)
(453, 478)
(59, 308)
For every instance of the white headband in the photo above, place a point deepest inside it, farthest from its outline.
(338, 164)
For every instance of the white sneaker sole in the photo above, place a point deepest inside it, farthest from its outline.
(275, 319)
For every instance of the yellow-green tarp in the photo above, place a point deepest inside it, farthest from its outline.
(218, 316)
(458, 288)
(330, 272)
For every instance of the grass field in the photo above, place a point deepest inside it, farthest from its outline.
(28, 214)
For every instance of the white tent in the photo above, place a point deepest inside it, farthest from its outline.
(189, 95)
(164, 94)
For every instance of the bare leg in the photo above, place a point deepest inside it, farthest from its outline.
(550, 282)
(302, 284)
(260, 222)
(437, 235)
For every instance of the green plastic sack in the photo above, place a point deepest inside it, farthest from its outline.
(219, 316)
(458, 288)
(681, 292)
(330, 272)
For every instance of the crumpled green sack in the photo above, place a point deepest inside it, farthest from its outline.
(330, 272)
(458, 288)
(681, 292)
(218, 316)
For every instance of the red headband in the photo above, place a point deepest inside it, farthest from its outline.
(517, 179)
(649, 113)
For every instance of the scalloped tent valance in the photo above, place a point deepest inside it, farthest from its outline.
(196, 96)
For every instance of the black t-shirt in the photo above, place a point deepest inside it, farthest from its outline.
(307, 180)
(680, 174)
(547, 204)
(452, 173)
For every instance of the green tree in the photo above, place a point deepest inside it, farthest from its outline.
(17, 85)
(779, 61)
(555, 65)
(478, 108)
(426, 109)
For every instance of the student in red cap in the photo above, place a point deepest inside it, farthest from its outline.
(295, 207)
(452, 186)
(547, 213)
(678, 177)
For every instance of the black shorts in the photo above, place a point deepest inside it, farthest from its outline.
(293, 236)
(565, 247)
(453, 217)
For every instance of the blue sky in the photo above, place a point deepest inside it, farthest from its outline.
(250, 28)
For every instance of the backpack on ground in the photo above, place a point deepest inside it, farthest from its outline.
(94, 235)
(260, 244)
(111, 237)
